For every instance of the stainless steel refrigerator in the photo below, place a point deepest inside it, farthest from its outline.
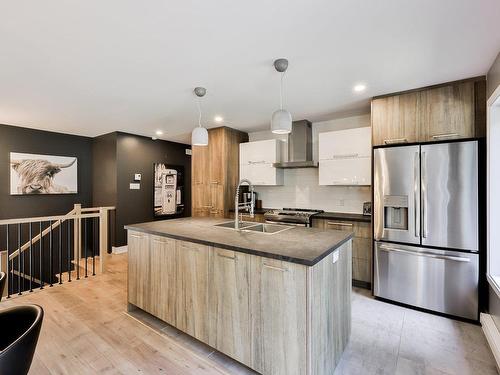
(426, 226)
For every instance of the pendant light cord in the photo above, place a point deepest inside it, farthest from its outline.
(281, 90)
(198, 102)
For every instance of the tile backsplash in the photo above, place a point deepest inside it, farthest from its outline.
(301, 188)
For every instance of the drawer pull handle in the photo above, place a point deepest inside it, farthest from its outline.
(395, 140)
(424, 254)
(345, 156)
(214, 182)
(341, 224)
(446, 135)
(275, 268)
(226, 256)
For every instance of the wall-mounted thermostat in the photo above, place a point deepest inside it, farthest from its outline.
(135, 186)
(137, 177)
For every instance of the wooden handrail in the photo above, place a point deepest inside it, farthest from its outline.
(90, 209)
(46, 218)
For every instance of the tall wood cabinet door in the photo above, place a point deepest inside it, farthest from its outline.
(199, 181)
(395, 119)
(163, 278)
(278, 303)
(216, 171)
(192, 288)
(447, 112)
(138, 269)
(229, 311)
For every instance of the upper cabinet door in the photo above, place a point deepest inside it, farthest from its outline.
(260, 152)
(447, 112)
(395, 119)
(345, 144)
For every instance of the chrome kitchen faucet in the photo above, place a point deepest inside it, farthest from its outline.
(244, 206)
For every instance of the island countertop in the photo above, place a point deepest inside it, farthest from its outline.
(300, 245)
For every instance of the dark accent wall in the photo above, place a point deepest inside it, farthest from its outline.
(117, 157)
(18, 139)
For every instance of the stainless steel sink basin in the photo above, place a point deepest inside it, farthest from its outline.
(230, 224)
(247, 226)
(268, 228)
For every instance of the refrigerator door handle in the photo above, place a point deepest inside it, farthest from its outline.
(416, 192)
(424, 254)
(424, 196)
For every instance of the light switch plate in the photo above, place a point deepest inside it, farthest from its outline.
(335, 257)
(137, 177)
(188, 151)
(135, 186)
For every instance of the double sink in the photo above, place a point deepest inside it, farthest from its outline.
(247, 226)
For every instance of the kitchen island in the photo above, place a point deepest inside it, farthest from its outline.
(279, 303)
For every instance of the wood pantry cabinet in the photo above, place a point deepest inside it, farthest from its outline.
(442, 112)
(276, 317)
(215, 172)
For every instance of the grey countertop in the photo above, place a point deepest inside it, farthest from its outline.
(305, 246)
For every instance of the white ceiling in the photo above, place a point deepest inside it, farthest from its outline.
(91, 67)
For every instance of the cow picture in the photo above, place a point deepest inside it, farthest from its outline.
(42, 174)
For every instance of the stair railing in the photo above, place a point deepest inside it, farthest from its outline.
(30, 246)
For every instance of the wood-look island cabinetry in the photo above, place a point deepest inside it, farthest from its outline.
(274, 316)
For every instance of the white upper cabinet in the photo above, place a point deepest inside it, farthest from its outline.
(345, 157)
(256, 162)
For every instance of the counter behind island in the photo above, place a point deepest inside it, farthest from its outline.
(276, 309)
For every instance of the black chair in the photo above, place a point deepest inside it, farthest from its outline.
(20, 328)
(3, 277)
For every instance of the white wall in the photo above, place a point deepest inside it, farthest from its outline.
(301, 187)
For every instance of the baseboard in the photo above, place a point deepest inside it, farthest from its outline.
(119, 249)
(492, 335)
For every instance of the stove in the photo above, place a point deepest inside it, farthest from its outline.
(294, 216)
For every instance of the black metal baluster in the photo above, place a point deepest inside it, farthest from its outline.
(60, 251)
(19, 259)
(10, 267)
(41, 255)
(85, 243)
(31, 257)
(94, 234)
(51, 243)
(69, 249)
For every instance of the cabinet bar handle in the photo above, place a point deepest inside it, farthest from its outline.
(446, 135)
(214, 182)
(226, 256)
(342, 224)
(395, 140)
(275, 268)
(345, 156)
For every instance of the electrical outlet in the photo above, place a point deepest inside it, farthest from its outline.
(335, 257)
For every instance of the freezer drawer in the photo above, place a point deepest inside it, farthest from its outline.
(438, 280)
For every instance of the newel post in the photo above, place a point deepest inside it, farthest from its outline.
(77, 229)
(103, 237)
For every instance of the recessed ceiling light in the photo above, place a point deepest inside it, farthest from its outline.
(360, 87)
(159, 132)
(218, 119)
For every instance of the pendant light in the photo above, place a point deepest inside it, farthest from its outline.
(281, 122)
(199, 136)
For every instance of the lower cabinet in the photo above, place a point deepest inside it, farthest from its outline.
(254, 309)
(192, 289)
(278, 304)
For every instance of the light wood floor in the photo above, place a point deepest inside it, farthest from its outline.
(86, 330)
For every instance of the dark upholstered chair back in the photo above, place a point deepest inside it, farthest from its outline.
(20, 328)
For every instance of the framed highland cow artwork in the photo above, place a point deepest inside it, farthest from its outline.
(32, 174)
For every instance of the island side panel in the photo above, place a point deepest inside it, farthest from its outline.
(278, 305)
(329, 293)
(138, 286)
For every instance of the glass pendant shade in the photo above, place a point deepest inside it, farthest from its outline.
(199, 136)
(281, 122)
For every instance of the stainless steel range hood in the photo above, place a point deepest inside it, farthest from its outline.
(299, 147)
